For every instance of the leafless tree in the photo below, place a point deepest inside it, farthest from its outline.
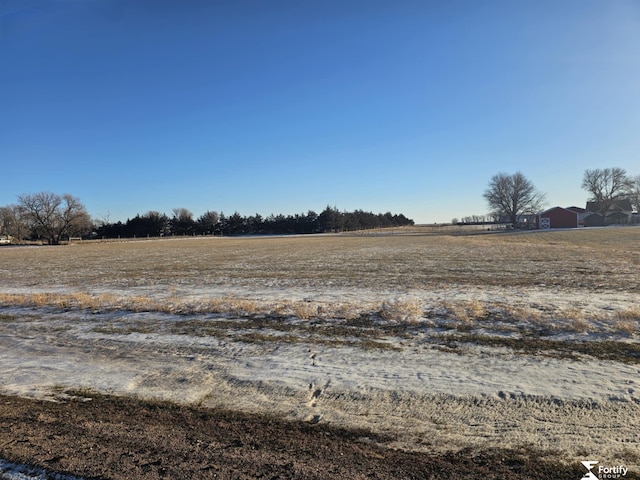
(634, 193)
(606, 185)
(512, 196)
(182, 222)
(182, 215)
(55, 216)
(13, 222)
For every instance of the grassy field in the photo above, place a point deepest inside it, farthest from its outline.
(409, 274)
(441, 340)
(594, 260)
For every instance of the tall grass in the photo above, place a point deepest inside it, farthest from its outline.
(461, 315)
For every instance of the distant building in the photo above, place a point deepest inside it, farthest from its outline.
(617, 212)
(596, 214)
(558, 217)
(582, 214)
(594, 220)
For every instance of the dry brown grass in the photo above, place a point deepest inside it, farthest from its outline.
(627, 321)
(462, 315)
(592, 260)
(218, 275)
(631, 314)
(467, 311)
(629, 327)
(402, 310)
(305, 311)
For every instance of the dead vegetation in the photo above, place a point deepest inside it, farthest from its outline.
(407, 279)
(565, 295)
(460, 315)
(596, 260)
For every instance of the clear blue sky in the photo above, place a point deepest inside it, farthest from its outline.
(286, 106)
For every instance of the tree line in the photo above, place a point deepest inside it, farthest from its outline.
(53, 218)
(182, 222)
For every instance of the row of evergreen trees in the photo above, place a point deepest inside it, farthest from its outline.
(156, 224)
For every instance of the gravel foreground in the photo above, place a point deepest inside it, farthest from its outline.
(122, 438)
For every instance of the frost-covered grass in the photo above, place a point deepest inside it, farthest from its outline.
(582, 281)
(463, 315)
(598, 260)
(497, 339)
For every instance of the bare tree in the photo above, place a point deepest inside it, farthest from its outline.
(182, 222)
(102, 220)
(13, 222)
(606, 186)
(634, 193)
(55, 216)
(512, 196)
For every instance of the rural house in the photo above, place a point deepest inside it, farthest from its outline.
(620, 211)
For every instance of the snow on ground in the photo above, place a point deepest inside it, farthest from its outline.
(424, 393)
(425, 396)
(16, 471)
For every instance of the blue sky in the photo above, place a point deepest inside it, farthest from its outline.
(288, 106)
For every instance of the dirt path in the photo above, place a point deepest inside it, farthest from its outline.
(120, 438)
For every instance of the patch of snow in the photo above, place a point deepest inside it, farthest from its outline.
(16, 471)
(415, 390)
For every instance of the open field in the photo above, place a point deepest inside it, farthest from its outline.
(435, 343)
(597, 260)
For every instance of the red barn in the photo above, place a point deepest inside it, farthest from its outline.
(558, 217)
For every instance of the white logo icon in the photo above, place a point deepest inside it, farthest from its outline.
(589, 464)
